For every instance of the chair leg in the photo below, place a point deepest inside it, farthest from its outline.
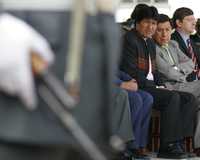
(154, 142)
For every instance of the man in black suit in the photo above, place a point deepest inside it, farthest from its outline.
(184, 23)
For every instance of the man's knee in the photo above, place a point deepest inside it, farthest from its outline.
(149, 98)
(175, 97)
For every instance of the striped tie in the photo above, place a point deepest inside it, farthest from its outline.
(190, 51)
(193, 56)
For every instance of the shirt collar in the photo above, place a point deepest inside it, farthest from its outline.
(165, 45)
(184, 36)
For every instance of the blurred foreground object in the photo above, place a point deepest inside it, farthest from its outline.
(57, 98)
(41, 71)
(16, 42)
(40, 129)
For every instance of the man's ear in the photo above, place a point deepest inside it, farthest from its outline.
(136, 25)
(178, 23)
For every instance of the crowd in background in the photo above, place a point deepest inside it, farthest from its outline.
(160, 69)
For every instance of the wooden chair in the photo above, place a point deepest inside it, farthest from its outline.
(154, 130)
(154, 134)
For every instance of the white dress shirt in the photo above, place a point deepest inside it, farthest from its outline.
(150, 75)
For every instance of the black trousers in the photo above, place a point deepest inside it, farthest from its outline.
(189, 105)
(177, 113)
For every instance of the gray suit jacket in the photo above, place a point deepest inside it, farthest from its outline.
(182, 62)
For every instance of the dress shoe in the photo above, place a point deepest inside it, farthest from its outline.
(140, 154)
(123, 156)
(182, 145)
(197, 152)
(143, 151)
(172, 151)
(133, 155)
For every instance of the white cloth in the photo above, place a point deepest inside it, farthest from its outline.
(150, 75)
(17, 39)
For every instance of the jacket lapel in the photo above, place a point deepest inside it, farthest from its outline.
(174, 56)
(181, 42)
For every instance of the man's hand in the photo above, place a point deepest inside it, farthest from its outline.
(169, 87)
(130, 85)
(17, 42)
(198, 73)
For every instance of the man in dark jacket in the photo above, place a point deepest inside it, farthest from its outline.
(184, 23)
(138, 60)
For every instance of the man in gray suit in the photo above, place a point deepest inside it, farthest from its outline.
(175, 65)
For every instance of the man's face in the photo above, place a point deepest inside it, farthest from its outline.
(163, 33)
(187, 25)
(146, 27)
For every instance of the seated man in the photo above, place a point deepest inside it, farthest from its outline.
(184, 23)
(121, 119)
(140, 106)
(173, 63)
(138, 60)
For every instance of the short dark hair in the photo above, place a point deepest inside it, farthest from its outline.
(146, 12)
(180, 14)
(163, 18)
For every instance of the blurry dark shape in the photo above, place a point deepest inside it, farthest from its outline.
(49, 79)
(137, 9)
(59, 100)
(196, 36)
(130, 23)
(198, 26)
(191, 77)
(155, 12)
(71, 124)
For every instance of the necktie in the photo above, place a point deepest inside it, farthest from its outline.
(190, 51)
(193, 56)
